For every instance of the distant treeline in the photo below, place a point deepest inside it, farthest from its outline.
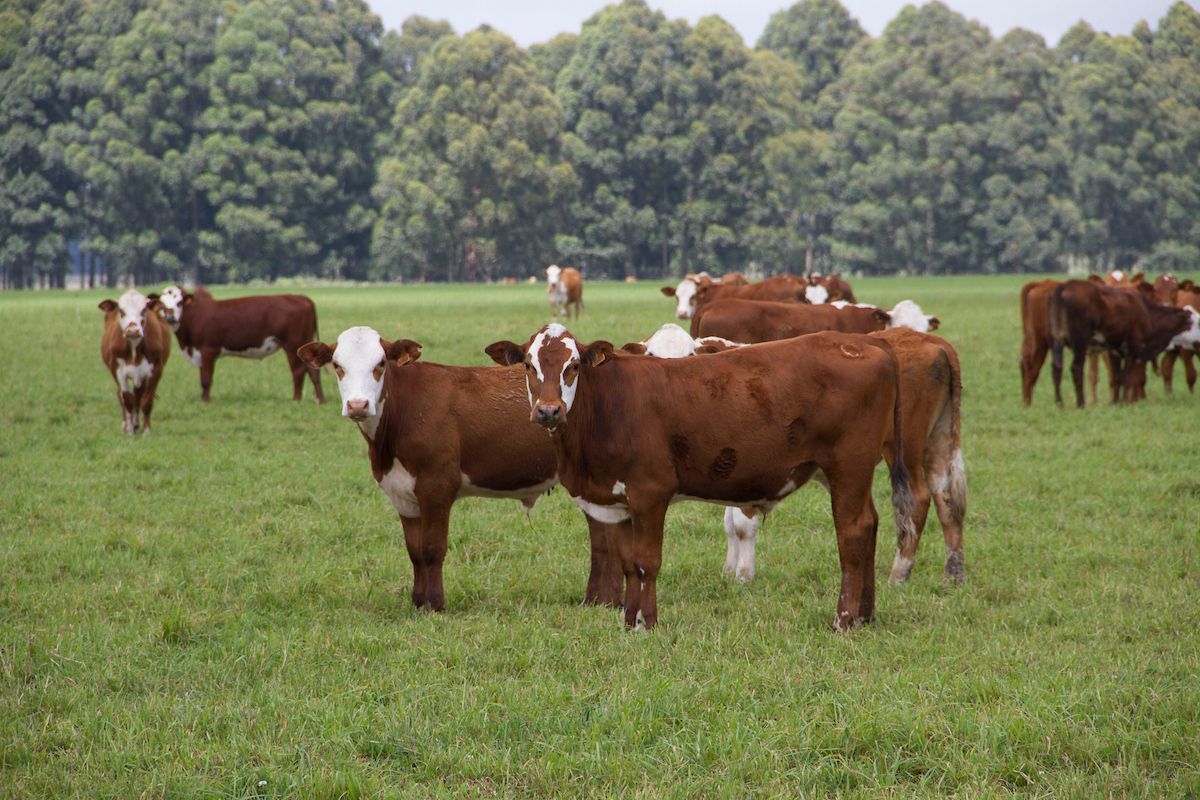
(222, 140)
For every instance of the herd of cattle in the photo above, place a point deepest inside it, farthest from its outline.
(776, 383)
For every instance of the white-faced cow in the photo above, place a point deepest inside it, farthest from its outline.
(685, 293)
(1187, 344)
(745, 427)
(247, 327)
(135, 346)
(438, 433)
(564, 289)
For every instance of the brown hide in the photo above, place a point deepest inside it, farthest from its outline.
(572, 282)
(1129, 326)
(208, 327)
(837, 287)
(756, 321)
(154, 347)
(744, 427)
(781, 288)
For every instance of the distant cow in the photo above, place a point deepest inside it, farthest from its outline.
(1035, 341)
(436, 434)
(135, 346)
(1130, 327)
(781, 288)
(761, 321)
(828, 288)
(564, 289)
(745, 427)
(1187, 344)
(685, 292)
(247, 327)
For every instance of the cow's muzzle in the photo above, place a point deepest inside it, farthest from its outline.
(548, 415)
(358, 409)
(133, 332)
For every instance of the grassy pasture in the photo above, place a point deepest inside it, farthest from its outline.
(212, 611)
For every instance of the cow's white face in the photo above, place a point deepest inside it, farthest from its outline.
(670, 341)
(816, 294)
(685, 299)
(171, 301)
(554, 277)
(359, 362)
(907, 314)
(131, 314)
(1191, 336)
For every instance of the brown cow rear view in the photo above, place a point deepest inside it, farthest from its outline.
(135, 346)
(247, 327)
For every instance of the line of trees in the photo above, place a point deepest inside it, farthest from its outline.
(226, 140)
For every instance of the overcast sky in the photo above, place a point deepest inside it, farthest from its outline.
(532, 22)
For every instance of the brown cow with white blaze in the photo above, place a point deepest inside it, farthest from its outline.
(439, 433)
(247, 327)
(135, 346)
(564, 289)
(1131, 328)
(684, 293)
(746, 427)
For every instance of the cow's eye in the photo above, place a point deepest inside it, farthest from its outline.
(379, 370)
(528, 367)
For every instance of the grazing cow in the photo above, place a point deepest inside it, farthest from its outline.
(828, 288)
(762, 321)
(1186, 344)
(781, 288)
(135, 346)
(438, 433)
(746, 427)
(564, 288)
(685, 292)
(1131, 328)
(247, 327)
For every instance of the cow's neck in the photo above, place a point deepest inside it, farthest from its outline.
(587, 436)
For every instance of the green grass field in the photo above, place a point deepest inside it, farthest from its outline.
(221, 609)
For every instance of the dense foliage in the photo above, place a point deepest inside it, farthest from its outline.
(226, 140)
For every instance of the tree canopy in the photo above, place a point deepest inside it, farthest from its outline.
(230, 140)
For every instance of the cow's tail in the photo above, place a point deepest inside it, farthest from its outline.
(902, 495)
(1057, 318)
(955, 492)
(316, 331)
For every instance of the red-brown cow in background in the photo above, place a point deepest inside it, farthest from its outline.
(781, 288)
(564, 290)
(762, 321)
(134, 346)
(247, 327)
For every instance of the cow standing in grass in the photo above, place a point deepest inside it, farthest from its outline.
(439, 433)
(247, 327)
(745, 427)
(135, 346)
(564, 290)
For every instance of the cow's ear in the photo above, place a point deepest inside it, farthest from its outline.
(1138, 278)
(637, 348)
(933, 323)
(1147, 290)
(1095, 279)
(316, 354)
(107, 305)
(708, 349)
(669, 291)
(597, 353)
(879, 315)
(402, 351)
(505, 353)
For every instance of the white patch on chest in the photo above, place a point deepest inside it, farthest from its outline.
(609, 515)
(130, 375)
(269, 346)
(618, 488)
(399, 486)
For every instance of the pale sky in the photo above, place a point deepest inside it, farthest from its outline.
(532, 22)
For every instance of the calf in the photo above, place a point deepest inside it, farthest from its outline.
(564, 289)
(1035, 341)
(247, 327)
(437, 433)
(761, 321)
(746, 427)
(134, 346)
(1131, 328)
(685, 292)
(1186, 344)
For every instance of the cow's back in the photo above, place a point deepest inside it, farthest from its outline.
(244, 323)
(758, 321)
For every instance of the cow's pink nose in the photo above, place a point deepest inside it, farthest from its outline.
(357, 409)
(132, 330)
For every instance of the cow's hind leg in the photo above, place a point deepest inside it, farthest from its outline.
(741, 530)
(298, 369)
(906, 554)
(857, 523)
(1189, 368)
(1033, 356)
(208, 361)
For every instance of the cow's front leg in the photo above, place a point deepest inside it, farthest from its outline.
(647, 530)
(434, 542)
(412, 542)
(208, 360)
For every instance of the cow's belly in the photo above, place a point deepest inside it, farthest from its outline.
(527, 494)
(131, 376)
(269, 346)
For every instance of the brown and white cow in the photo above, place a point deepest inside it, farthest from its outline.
(134, 346)
(685, 292)
(439, 433)
(1130, 327)
(1187, 344)
(564, 289)
(247, 327)
(765, 321)
(828, 289)
(746, 427)
(1035, 340)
